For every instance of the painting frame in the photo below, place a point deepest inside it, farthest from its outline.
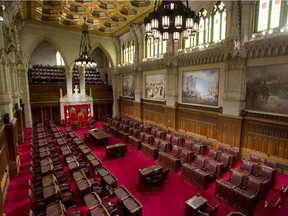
(266, 89)
(154, 87)
(201, 87)
(128, 86)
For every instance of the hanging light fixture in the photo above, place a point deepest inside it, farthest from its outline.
(85, 49)
(171, 19)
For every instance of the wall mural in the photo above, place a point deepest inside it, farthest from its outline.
(267, 89)
(201, 87)
(128, 86)
(155, 87)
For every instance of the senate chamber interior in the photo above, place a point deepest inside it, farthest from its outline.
(143, 107)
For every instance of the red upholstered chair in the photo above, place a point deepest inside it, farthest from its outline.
(200, 162)
(73, 116)
(81, 118)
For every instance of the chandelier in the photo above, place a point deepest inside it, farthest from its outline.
(171, 19)
(85, 49)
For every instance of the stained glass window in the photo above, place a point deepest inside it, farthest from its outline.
(269, 14)
(59, 59)
(219, 22)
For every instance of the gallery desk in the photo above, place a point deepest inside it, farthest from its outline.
(193, 204)
(55, 209)
(116, 150)
(143, 173)
(195, 176)
(100, 135)
(131, 206)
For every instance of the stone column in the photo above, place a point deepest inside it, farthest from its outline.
(234, 85)
(116, 41)
(81, 70)
(116, 91)
(69, 77)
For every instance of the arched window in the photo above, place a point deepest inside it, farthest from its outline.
(218, 22)
(155, 48)
(203, 33)
(59, 59)
(271, 14)
(131, 52)
(123, 54)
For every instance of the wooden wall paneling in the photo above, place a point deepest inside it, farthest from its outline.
(137, 110)
(170, 117)
(36, 114)
(56, 114)
(266, 136)
(19, 116)
(153, 112)
(4, 168)
(229, 130)
(126, 107)
(11, 132)
(199, 122)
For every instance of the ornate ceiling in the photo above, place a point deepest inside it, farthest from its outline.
(104, 17)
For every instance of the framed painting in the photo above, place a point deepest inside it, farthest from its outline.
(155, 87)
(267, 89)
(128, 86)
(201, 87)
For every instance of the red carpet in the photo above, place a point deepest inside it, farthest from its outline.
(168, 200)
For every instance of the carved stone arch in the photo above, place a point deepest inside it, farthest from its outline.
(266, 52)
(106, 53)
(53, 43)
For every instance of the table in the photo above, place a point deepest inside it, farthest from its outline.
(78, 175)
(99, 210)
(132, 206)
(116, 150)
(55, 209)
(84, 186)
(121, 193)
(50, 193)
(143, 173)
(48, 180)
(100, 135)
(110, 180)
(92, 200)
(195, 203)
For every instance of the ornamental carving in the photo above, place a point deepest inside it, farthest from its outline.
(209, 56)
(269, 47)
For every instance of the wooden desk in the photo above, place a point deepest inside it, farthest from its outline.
(48, 180)
(55, 209)
(78, 175)
(47, 169)
(201, 179)
(92, 200)
(99, 210)
(121, 193)
(75, 125)
(94, 161)
(143, 173)
(102, 171)
(131, 206)
(110, 180)
(73, 166)
(100, 135)
(50, 193)
(116, 150)
(45, 161)
(83, 186)
(169, 161)
(193, 204)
